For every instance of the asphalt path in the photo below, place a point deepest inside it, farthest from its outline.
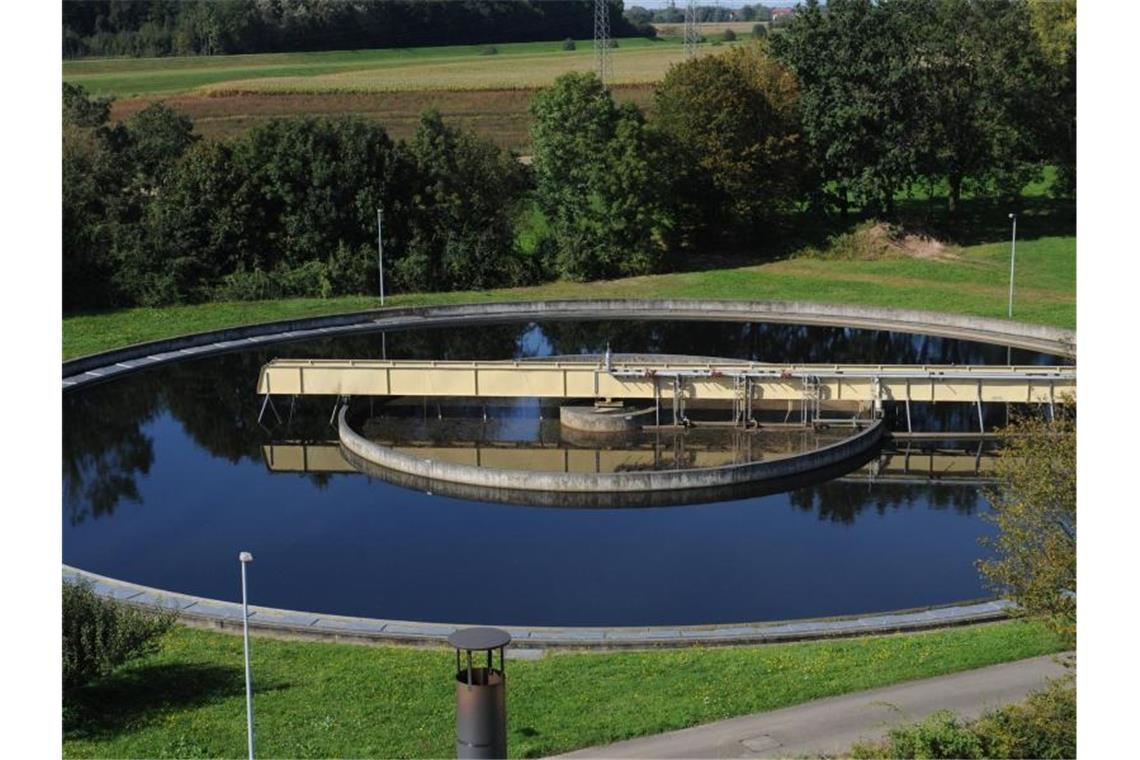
(830, 726)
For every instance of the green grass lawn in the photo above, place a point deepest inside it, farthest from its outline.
(128, 77)
(974, 281)
(339, 700)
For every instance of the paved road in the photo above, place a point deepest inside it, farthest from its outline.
(831, 726)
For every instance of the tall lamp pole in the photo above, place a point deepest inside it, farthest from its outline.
(1012, 262)
(380, 249)
(245, 558)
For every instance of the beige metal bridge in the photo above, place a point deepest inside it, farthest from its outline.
(679, 382)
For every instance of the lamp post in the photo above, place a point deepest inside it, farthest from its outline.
(380, 249)
(1012, 261)
(245, 558)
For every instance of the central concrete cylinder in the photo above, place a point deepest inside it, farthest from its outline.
(481, 714)
(592, 419)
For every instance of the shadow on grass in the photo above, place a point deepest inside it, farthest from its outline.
(135, 696)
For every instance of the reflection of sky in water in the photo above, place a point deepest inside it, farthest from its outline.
(164, 483)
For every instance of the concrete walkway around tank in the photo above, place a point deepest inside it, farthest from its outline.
(215, 613)
(829, 727)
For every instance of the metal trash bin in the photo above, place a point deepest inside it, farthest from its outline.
(480, 694)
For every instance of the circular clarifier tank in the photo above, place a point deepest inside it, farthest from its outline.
(170, 470)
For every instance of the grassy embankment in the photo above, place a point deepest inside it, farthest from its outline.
(338, 700)
(968, 280)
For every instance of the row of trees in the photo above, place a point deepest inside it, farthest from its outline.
(212, 27)
(671, 14)
(153, 215)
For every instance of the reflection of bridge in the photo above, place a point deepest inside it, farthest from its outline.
(948, 465)
(679, 381)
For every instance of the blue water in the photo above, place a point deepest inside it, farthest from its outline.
(164, 483)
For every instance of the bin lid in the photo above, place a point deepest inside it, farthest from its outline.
(479, 638)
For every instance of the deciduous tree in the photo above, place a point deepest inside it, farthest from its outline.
(733, 124)
(597, 171)
(1035, 510)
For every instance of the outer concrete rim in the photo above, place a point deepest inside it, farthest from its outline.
(622, 482)
(96, 367)
(219, 614)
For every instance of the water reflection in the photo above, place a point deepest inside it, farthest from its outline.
(166, 475)
(105, 450)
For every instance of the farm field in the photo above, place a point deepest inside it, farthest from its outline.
(489, 94)
(498, 115)
(525, 65)
(710, 28)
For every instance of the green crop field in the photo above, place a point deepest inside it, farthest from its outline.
(525, 65)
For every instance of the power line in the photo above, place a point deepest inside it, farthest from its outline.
(692, 30)
(603, 62)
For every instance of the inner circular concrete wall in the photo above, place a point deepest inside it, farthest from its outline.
(605, 482)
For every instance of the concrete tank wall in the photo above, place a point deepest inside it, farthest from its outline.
(1033, 337)
(656, 480)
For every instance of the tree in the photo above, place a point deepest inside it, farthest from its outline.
(596, 173)
(317, 182)
(1035, 510)
(79, 110)
(857, 96)
(733, 124)
(979, 95)
(1054, 24)
(157, 136)
(463, 235)
(197, 230)
(94, 175)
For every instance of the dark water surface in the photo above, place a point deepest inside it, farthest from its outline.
(165, 480)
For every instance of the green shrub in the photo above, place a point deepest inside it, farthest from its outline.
(247, 285)
(729, 35)
(100, 634)
(569, 44)
(352, 271)
(308, 280)
(1044, 726)
(941, 735)
(488, 50)
(759, 31)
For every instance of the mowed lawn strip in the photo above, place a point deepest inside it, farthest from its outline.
(974, 283)
(315, 699)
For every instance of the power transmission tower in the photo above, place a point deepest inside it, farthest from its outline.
(602, 43)
(692, 30)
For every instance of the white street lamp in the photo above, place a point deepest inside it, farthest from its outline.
(245, 558)
(380, 249)
(1012, 262)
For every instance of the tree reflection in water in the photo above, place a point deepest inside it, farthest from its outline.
(842, 502)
